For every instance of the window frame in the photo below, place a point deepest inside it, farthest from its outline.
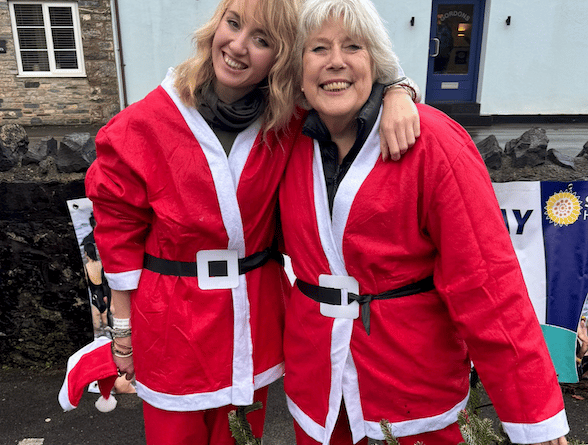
(53, 70)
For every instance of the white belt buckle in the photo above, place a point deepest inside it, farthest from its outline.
(346, 284)
(230, 258)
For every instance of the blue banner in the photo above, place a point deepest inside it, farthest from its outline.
(548, 226)
(565, 228)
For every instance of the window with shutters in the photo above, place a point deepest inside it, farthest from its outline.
(47, 38)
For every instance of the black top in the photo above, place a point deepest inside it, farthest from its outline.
(316, 129)
(228, 120)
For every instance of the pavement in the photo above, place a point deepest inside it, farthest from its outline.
(30, 413)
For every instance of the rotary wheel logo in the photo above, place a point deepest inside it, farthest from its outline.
(563, 208)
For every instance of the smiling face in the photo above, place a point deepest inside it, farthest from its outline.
(242, 54)
(337, 74)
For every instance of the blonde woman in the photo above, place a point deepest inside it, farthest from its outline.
(184, 190)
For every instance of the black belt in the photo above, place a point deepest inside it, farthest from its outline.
(215, 268)
(333, 296)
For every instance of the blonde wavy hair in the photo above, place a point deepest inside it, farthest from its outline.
(279, 19)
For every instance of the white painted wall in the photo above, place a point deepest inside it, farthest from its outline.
(156, 35)
(537, 65)
(411, 43)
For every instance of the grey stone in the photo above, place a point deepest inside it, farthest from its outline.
(5, 163)
(39, 151)
(48, 166)
(584, 152)
(76, 152)
(491, 152)
(14, 142)
(528, 150)
(561, 159)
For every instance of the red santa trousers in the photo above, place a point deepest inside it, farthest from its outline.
(210, 426)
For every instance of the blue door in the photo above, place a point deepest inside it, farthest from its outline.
(454, 50)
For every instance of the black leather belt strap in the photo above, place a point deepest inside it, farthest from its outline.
(216, 268)
(333, 296)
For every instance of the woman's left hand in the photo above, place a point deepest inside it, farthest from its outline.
(400, 125)
(561, 441)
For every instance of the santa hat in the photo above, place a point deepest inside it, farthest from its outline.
(93, 362)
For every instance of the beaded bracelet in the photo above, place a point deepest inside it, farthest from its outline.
(406, 87)
(119, 333)
(118, 345)
(120, 354)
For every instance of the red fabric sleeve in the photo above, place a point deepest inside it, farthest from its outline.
(117, 189)
(478, 276)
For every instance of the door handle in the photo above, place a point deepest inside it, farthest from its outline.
(437, 46)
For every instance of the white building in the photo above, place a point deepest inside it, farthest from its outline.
(492, 57)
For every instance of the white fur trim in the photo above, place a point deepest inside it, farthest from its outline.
(549, 429)
(187, 402)
(105, 405)
(63, 396)
(310, 427)
(353, 401)
(353, 180)
(344, 380)
(417, 426)
(269, 376)
(226, 173)
(207, 400)
(124, 280)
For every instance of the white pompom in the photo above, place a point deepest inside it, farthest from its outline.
(105, 405)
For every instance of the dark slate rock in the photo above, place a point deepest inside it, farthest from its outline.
(584, 152)
(46, 146)
(560, 159)
(528, 150)
(491, 152)
(76, 152)
(14, 142)
(5, 163)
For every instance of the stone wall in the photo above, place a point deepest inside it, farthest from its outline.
(63, 100)
(44, 309)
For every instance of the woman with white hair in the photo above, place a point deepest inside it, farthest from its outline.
(396, 297)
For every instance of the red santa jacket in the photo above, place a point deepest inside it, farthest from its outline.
(163, 185)
(431, 213)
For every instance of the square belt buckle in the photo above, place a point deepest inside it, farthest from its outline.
(217, 269)
(346, 284)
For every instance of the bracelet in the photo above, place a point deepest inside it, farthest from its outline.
(405, 86)
(121, 323)
(409, 86)
(122, 346)
(120, 354)
(119, 333)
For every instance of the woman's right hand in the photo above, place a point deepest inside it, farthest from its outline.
(125, 365)
(121, 300)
